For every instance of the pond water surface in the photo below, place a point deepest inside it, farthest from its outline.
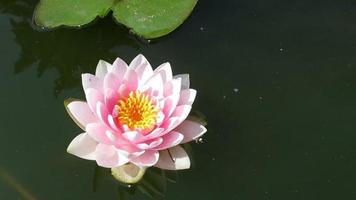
(276, 82)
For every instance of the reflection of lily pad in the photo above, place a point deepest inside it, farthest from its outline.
(147, 18)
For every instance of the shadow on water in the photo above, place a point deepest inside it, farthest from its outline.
(62, 48)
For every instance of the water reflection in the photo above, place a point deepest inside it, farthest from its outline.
(69, 51)
(9, 180)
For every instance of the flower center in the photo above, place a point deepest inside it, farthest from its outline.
(137, 111)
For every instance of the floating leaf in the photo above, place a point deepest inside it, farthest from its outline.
(152, 18)
(54, 13)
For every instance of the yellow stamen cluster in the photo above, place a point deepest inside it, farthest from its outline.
(137, 111)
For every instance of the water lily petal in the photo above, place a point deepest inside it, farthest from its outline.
(155, 83)
(131, 80)
(180, 114)
(185, 80)
(187, 97)
(108, 156)
(149, 158)
(150, 144)
(191, 130)
(102, 112)
(91, 81)
(83, 146)
(175, 159)
(170, 104)
(142, 67)
(100, 133)
(102, 68)
(81, 113)
(170, 122)
(111, 81)
(119, 67)
(154, 134)
(171, 139)
(172, 87)
(112, 123)
(111, 98)
(93, 96)
(111, 85)
(133, 136)
(165, 71)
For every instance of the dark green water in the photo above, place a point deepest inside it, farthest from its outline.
(276, 80)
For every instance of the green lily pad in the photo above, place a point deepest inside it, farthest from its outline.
(152, 18)
(146, 18)
(54, 13)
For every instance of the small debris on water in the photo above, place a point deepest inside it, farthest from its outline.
(260, 97)
(236, 90)
(199, 140)
(202, 28)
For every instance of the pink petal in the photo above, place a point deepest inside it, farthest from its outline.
(142, 67)
(151, 144)
(191, 130)
(108, 156)
(179, 114)
(165, 71)
(100, 133)
(182, 111)
(119, 68)
(133, 136)
(170, 104)
(187, 97)
(102, 112)
(93, 96)
(83, 146)
(111, 98)
(130, 151)
(149, 158)
(112, 123)
(171, 139)
(172, 87)
(111, 85)
(102, 68)
(185, 80)
(155, 84)
(81, 113)
(131, 80)
(170, 122)
(176, 159)
(154, 134)
(91, 81)
(111, 81)
(138, 60)
(160, 118)
(123, 91)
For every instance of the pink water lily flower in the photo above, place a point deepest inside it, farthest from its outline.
(134, 114)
